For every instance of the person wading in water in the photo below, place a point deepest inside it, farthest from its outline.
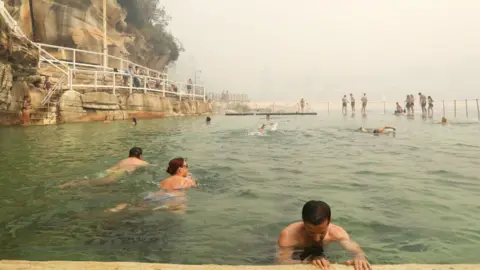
(306, 239)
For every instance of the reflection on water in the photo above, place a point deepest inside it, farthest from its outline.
(409, 199)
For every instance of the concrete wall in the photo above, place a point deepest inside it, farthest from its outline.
(94, 106)
(151, 266)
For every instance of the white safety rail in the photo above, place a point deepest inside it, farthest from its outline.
(56, 87)
(93, 73)
(228, 97)
(43, 55)
(71, 56)
(121, 82)
(9, 20)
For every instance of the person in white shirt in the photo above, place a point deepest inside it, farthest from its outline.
(364, 103)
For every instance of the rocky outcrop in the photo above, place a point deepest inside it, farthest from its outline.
(79, 24)
(18, 75)
(95, 106)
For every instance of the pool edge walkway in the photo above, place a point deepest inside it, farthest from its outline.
(7, 264)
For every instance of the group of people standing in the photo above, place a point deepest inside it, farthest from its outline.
(410, 105)
(352, 103)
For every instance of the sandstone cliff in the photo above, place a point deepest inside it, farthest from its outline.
(79, 24)
(18, 75)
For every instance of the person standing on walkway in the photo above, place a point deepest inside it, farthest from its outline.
(344, 104)
(352, 103)
(364, 103)
(430, 106)
(423, 103)
(302, 104)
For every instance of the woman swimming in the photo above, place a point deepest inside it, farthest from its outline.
(172, 189)
(171, 195)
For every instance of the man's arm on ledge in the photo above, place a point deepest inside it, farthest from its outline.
(359, 259)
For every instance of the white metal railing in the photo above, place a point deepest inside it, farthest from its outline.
(18, 31)
(50, 93)
(116, 81)
(103, 75)
(228, 97)
(96, 61)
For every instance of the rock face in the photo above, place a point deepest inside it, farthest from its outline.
(79, 24)
(95, 106)
(18, 74)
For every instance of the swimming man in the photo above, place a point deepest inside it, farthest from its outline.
(314, 232)
(128, 165)
(262, 128)
(377, 131)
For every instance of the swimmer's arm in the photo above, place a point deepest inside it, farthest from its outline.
(285, 248)
(347, 243)
(284, 256)
(389, 127)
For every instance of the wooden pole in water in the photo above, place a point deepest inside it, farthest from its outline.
(466, 107)
(443, 101)
(455, 108)
(328, 107)
(478, 111)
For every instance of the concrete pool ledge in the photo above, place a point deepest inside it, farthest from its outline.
(5, 264)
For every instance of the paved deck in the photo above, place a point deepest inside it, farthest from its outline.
(152, 266)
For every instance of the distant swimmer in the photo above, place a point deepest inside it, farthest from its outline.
(267, 117)
(208, 120)
(262, 128)
(128, 165)
(444, 121)
(171, 195)
(381, 131)
(377, 131)
(305, 240)
(134, 121)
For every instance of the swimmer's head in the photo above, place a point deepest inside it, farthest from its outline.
(209, 119)
(178, 166)
(444, 120)
(136, 152)
(375, 132)
(316, 216)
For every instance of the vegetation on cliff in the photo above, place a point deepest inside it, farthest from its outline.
(151, 19)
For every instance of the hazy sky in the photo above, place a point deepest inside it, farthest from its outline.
(319, 50)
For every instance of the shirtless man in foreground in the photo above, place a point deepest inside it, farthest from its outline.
(128, 165)
(312, 234)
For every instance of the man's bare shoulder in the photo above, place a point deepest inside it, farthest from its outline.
(289, 235)
(337, 233)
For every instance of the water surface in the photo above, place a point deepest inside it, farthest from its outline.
(408, 199)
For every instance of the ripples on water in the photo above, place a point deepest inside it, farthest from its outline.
(408, 199)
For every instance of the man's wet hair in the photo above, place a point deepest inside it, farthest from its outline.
(316, 212)
(135, 152)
